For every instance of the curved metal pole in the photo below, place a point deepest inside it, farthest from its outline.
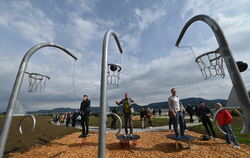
(17, 87)
(120, 122)
(103, 92)
(233, 70)
(236, 111)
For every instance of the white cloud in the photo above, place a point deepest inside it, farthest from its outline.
(29, 21)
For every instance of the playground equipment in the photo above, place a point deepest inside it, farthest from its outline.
(21, 122)
(125, 142)
(113, 75)
(37, 82)
(120, 121)
(17, 87)
(223, 53)
(103, 92)
(188, 139)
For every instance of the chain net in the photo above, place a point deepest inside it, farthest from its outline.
(113, 75)
(211, 64)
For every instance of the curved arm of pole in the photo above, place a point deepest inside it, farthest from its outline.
(120, 122)
(41, 45)
(106, 38)
(236, 111)
(211, 23)
(21, 121)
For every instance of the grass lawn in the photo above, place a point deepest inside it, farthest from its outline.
(43, 133)
(236, 125)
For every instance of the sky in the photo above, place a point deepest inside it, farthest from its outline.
(147, 30)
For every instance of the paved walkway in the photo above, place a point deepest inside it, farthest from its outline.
(153, 129)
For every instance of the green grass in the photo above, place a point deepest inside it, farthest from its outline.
(43, 133)
(236, 126)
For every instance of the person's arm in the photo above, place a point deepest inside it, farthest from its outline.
(182, 107)
(170, 106)
(208, 112)
(132, 102)
(119, 102)
(81, 107)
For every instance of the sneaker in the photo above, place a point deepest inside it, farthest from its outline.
(236, 146)
(131, 136)
(86, 135)
(183, 136)
(81, 136)
(178, 138)
(125, 136)
(150, 127)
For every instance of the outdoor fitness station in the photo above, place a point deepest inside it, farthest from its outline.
(238, 98)
(36, 82)
(210, 65)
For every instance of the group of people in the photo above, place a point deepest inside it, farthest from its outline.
(67, 118)
(146, 114)
(177, 111)
(176, 116)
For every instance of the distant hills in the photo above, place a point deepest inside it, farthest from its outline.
(156, 105)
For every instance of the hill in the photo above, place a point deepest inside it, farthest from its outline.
(162, 105)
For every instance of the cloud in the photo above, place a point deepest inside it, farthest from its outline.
(24, 18)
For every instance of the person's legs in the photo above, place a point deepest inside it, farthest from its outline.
(170, 122)
(181, 122)
(112, 123)
(83, 124)
(115, 120)
(228, 141)
(230, 134)
(126, 123)
(175, 126)
(142, 122)
(204, 122)
(211, 128)
(87, 124)
(191, 118)
(130, 123)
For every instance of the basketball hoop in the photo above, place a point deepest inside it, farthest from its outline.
(113, 75)
(211, 64)
(37, 82)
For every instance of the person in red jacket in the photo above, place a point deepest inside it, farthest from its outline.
(224, 120)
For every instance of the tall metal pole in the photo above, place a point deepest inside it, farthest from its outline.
(103, 93)
(238, 84)
(17, 87)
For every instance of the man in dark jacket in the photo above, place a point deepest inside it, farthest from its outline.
(203, 115)
(127, 111)
(85, 112)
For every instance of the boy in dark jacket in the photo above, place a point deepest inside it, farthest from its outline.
(85, 112)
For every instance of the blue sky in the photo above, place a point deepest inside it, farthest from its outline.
(147, 30)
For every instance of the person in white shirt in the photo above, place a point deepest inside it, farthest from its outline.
(176, 110)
